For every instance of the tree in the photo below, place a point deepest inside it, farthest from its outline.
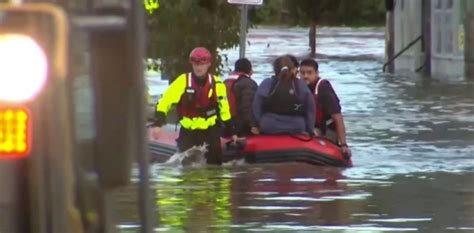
(269, 12)
(334, 12)
(178, 26)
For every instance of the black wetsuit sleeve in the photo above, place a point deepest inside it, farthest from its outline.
(245, 93)
(160, 119)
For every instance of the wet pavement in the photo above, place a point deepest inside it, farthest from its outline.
(412, 140)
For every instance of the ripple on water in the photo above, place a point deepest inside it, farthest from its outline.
(398, 126)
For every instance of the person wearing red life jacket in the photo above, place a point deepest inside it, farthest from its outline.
(241, 89)
(201, 100)
(329, 120)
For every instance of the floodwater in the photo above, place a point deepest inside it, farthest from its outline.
(412, 140)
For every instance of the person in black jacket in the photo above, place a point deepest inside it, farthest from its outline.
(241, 90)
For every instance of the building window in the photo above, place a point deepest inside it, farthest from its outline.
(439, 35)
(444, 28)
(448, 39)
(449, 4)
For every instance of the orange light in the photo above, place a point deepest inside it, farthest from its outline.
(15, 133)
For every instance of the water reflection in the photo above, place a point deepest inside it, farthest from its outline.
(300, 197)
(193, 199)
(288, 193)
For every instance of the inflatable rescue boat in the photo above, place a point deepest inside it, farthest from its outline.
(265, 149)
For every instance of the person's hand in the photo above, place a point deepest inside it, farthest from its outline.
(346, 151)
(255, 130)
(316, 132)
(155, 133)
(235, 138)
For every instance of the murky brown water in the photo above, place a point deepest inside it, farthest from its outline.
(413, 150)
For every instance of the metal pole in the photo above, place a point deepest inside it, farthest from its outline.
(243, 29)
(391, 40)
(138, 44)
(426, 32)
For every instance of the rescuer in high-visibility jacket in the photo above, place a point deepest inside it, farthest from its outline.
(201, 100)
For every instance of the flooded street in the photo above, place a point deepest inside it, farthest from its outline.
(412, 141)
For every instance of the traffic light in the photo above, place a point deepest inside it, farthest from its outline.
(32, 52)
(37, 110)
(36, 136)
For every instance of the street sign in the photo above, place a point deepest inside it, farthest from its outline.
(246, 2)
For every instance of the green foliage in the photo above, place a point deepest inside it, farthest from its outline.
(266, 13)
(324, 12)
(178, 26)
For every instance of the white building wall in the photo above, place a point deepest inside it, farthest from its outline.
(408, 27)
(447, 36)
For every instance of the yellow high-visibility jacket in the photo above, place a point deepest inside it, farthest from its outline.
(172, 96)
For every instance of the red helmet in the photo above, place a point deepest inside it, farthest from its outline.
(200, 55)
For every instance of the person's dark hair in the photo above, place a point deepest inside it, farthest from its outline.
(294, 60)
(243, 65)
(310, 62)
(282, 67)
